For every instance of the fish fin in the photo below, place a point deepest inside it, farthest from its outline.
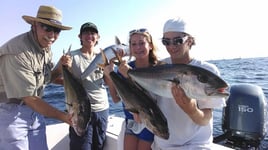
(69, 50)
(117, 41)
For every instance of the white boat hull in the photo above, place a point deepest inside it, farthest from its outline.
(58, 139)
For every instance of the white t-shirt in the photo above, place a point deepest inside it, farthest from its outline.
(184, 133)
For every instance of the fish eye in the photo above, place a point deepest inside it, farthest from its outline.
(202, 78)
(176, 81)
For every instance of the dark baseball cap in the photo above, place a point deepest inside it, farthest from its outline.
(89, 26)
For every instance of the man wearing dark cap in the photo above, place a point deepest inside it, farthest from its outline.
(78, 61)
(25, 64)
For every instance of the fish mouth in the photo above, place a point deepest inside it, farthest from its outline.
(222, 91)
(164, 136)
(79, 131)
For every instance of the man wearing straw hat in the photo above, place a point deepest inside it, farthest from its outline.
(25, 64)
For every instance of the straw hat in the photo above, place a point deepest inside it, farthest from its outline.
(48, 15)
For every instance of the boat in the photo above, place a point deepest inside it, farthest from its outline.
(58, 139)
(244, 123)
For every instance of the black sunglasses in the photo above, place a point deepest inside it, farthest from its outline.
(174, 41)
(142, 30)
(49, 28)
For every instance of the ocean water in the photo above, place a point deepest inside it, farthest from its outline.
(233, 71)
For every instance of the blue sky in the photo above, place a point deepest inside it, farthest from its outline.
(223, 28)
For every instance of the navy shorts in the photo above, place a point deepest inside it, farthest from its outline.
(145, 134)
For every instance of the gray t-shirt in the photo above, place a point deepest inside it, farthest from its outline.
(93, 84)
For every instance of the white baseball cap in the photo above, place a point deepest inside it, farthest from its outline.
(176, 25)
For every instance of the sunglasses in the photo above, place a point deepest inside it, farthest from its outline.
(49, 28)
(142, 30)
(174, 41)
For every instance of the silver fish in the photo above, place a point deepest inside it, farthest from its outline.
(197, 82)
(138, 101)
(108, 51)
(77, 102)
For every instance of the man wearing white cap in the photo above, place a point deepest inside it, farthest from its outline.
(25, 64)
(189, 121)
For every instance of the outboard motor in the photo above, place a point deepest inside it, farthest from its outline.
(245, 116)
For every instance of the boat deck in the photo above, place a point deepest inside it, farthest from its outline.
(58, 139)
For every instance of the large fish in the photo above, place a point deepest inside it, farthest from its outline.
(77, 102)
(138, 101)
(108, 51)
(197, 83)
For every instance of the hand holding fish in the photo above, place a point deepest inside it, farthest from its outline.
(189, 106)
(66, 60)
(109, 67)
(120, 53)
(68, 119)
(123, 68)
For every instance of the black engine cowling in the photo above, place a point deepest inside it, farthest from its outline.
(245, 116)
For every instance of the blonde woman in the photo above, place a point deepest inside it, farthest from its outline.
(143, 50)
